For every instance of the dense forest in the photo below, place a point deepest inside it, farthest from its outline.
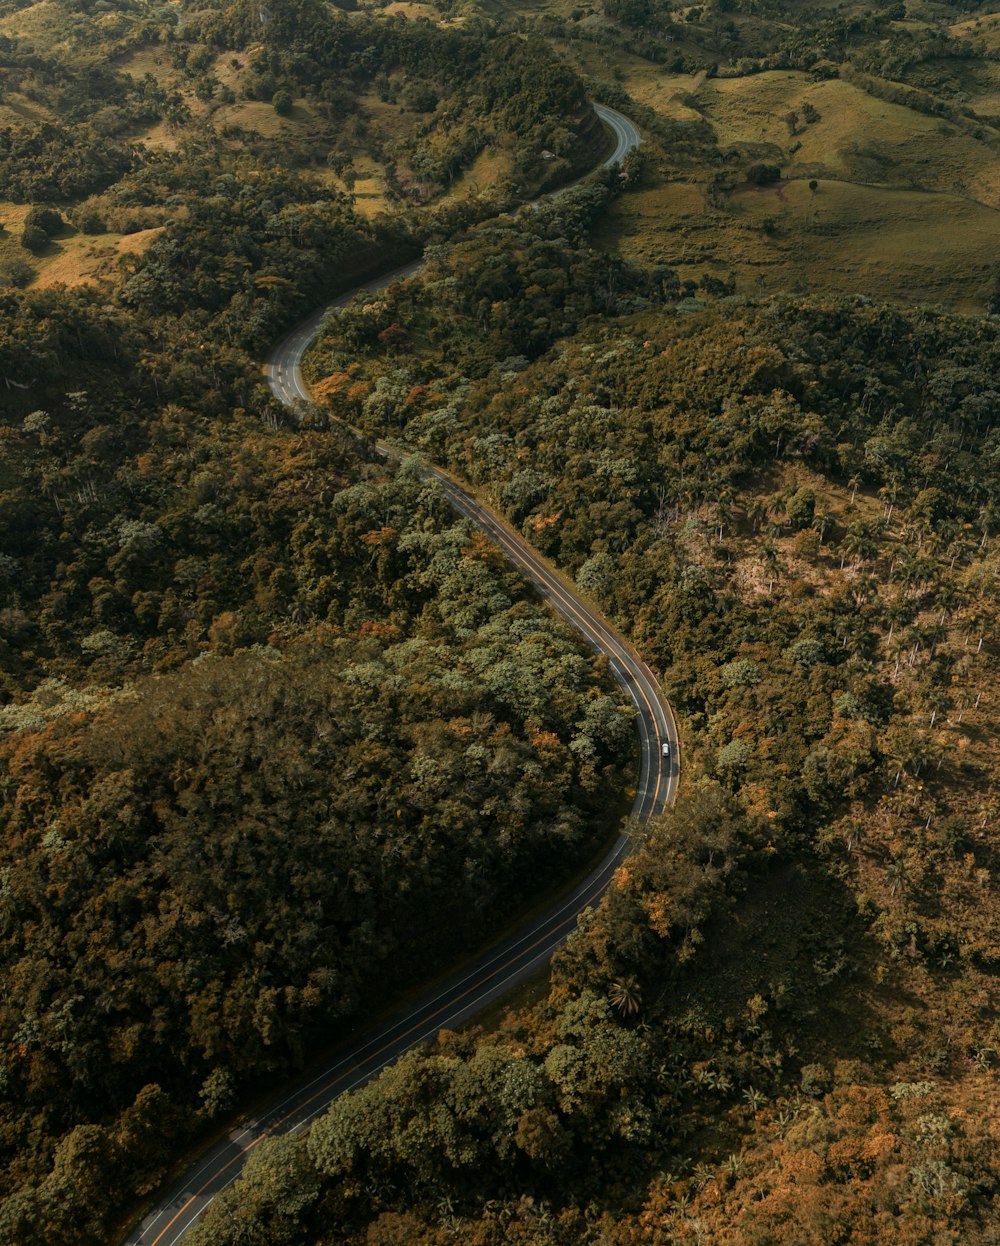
(279, 734)
(211, 620)
(790, 506)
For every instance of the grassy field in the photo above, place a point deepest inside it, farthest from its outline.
(841, 238)
(41, 22)
(857, 138)
(81, 258)
(984, 26)
(489, 168)
(907, 206)
(73, 258)
(18, 110)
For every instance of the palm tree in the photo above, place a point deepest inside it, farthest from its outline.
(898, 875)
(821, 523)
(757, 512)
(624, 994)
(857, 542)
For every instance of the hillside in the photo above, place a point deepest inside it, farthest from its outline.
(781, 1023)
(244, 664)
(281, 737)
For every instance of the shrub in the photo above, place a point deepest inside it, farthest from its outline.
(48, 220)
(34, 239)
(17, 273)
(763, 174)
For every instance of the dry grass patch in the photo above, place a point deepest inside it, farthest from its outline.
(894, 245)
(666, 93)
(412, 11)
(152, 60)
(985, 27)
(256, 116)
(904, 246)
(857, 137)
(162, 136)
(83, 258)
(393, 120)
(13, 218)
(40, 21)
(489, 168)
(18, 110)
(229, 68)
(369, 188)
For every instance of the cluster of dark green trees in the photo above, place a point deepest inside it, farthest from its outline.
(791, 506)
(373, 701)
(205, 871)
(485, 306)
(557, 1105)
(87, 146)
(623, 456)
(272, 721)
(480, 91)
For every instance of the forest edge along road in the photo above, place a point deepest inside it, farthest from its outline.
(496, 971)
(518, 955)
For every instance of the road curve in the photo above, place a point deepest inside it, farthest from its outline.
(284, 369)
(492, 973)
(626, 133)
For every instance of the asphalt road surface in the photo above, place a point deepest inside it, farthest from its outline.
(492, 973)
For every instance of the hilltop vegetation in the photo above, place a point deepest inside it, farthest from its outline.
(780, 1020)
(881, 125)
(278, 733)
(227, 641)
(127, 126)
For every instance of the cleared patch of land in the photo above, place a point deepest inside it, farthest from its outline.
(81, 258)
(16, 109)
(898, 245)
(855, 137)
(152, 60)
(412, 11)
(984, 26)
(73, 258)
(907, 204)
(489, 168)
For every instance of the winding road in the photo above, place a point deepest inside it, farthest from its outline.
(492, 973)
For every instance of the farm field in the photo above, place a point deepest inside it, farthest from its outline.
(906, 206)
(840, 238)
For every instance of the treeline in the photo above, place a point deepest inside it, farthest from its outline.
(791, 507)
(204, 871)
(490, 302)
